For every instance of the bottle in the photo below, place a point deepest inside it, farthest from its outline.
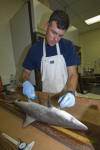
(12, 79)
(12, 86)
(1, 86)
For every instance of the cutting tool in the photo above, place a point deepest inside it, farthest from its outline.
(21, 144)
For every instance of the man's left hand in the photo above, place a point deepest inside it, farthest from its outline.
(67, 100)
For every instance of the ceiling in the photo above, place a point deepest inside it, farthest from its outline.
(78, 11)
(8, 9)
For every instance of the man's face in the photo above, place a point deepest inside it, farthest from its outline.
(53, 34)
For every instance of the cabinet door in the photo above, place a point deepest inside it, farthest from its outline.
(78, 51)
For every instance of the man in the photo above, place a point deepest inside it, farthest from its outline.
(56, 59)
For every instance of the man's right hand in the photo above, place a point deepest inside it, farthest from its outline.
(28, 90)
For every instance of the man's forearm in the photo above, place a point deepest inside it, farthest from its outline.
(72, 78)
(72, 83)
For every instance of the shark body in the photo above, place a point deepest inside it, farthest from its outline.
(50, 115)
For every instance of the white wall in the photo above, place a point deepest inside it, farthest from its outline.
(72, 34)
(40, 16)
(7, 62)
(90, 48)
(21, 37)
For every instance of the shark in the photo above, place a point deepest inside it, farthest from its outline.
(49, 115)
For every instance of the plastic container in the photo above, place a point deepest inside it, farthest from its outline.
(12, 79)
(12, 86)
(1, 85)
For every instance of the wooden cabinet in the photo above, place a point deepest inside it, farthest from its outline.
(77, 48)
(86, 82)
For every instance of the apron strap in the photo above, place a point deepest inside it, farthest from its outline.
(58, 49)
(44, 49)
(42, 64)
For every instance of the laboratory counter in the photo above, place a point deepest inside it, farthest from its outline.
(52, 137)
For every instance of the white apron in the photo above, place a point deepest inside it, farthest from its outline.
(53, 71)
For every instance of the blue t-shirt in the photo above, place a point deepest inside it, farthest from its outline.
(34, 56)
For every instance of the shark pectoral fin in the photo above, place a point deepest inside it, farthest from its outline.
(28, 120)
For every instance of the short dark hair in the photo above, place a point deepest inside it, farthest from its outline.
(61, 18)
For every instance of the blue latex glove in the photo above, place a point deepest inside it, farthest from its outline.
(28, 90)
(68, 100)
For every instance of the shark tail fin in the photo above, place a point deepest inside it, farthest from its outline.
(11, 101)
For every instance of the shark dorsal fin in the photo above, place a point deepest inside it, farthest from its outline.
(49, 102)
(28, 120)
